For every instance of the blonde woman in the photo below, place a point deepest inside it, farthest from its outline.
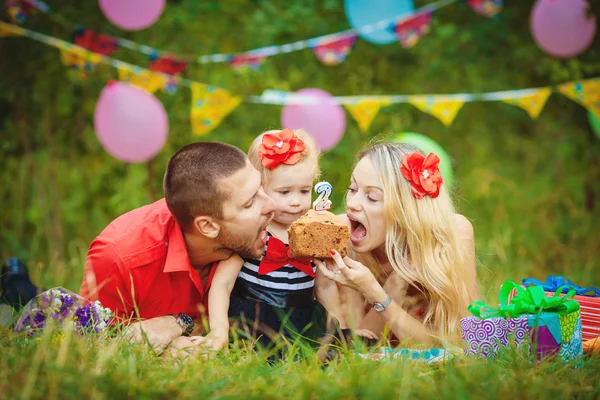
(413, 257)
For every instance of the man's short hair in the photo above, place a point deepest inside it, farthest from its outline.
(191, 183)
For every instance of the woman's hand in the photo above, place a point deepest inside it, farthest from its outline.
(347, 272)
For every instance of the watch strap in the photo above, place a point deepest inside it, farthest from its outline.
(185, 322)
(380, 307)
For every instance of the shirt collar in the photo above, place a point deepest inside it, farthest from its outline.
(177, 256)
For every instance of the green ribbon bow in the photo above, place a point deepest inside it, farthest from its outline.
(530, 300)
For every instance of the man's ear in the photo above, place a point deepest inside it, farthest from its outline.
(207, 226)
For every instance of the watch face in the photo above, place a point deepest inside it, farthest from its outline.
(186, 319)
(378, 307)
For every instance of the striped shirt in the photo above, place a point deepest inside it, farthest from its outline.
(286, 278)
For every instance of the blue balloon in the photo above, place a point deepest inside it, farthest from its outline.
(366, 12)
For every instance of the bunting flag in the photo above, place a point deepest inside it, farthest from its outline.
(410, 31)
(364, 112)
(586, 93)
(329, 49)
(167, 64)
(96, 42)
(442, 107)
(143, 78)
(243, 62)
(533, 103)
(334, 53)
(486, 8)
(79, 62)
(19, 10)
(210, 105)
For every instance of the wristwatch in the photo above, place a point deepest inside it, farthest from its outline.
(380, 307)
(185, 322)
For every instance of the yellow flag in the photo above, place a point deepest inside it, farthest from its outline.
(144, 78)
(586, 93)
(365, 111)
(6, 31)
(210, 105)
(532, 104)
(442, 107)
(79, 61)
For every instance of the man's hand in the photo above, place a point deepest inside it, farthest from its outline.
(159, 332)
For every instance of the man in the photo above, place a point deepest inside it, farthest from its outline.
(156, 262)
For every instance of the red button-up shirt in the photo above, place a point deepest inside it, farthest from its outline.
(140, 261)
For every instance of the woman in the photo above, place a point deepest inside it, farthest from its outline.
(414, 257)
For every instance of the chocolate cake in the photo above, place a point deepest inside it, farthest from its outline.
(314, 234)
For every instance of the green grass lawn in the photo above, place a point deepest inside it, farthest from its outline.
(71, 366)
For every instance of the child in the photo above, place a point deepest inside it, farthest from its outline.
(274, 291)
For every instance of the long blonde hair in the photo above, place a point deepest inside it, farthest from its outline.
(422, 241)
(311, 151)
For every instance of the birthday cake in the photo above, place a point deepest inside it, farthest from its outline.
(317, 232)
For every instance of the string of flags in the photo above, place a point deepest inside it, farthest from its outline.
(211, 104)
(331, 49)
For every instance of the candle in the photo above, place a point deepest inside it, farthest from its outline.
(322, 203)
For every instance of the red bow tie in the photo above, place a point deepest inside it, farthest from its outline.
(277, 257)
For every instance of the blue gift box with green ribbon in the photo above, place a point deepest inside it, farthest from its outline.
(549, 326)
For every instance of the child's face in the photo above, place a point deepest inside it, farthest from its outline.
(291, 188)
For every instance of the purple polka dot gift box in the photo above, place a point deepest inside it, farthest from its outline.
(547, 326)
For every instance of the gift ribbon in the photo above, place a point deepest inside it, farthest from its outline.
(553, 283)
(530, 300)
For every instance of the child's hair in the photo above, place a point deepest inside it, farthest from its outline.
(310, 152)
(422, 241)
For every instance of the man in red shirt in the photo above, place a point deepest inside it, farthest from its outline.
(155, 263)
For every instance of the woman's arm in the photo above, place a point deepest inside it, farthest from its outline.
(354, 275)
(218, 301)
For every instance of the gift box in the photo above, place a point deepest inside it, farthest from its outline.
(548, 326)
(587, 297)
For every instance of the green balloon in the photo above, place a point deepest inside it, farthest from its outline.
(428, 145)
(594, 123)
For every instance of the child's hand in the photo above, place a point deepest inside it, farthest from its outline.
(214, 340)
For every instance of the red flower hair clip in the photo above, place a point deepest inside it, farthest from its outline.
(283, 147)
(423, 174)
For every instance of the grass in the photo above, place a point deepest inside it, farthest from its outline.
(70, 366)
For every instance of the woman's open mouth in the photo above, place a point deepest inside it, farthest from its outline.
(357, 231)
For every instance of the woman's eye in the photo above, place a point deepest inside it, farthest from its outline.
(372, 200)
(284, 192)
(249, 204)
(351, 190)
(305, 191)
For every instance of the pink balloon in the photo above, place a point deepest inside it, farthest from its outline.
(131, 124)
(325, 120)
(132, 15)
(561, 27)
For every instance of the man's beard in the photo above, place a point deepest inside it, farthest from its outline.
(244, 246)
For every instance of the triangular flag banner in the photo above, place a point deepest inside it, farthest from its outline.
(246, 62)
(19, 10)
(167, 64)
(533, 103)
(586, 93)
(409, 32)
(441, 107)
(364, 112)
(209, 106)
(143, 78)
(335, 53)
(79, 62)
(486, 8)
(96, 42)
